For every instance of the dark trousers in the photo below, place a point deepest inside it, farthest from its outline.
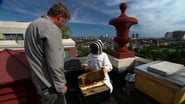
(50, 96)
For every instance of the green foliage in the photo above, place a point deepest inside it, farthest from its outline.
(83, 51)
(172, 53)
(2, 39)
(66, 32)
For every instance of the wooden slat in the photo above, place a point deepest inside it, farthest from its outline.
(15, 101)
(7, 90)
(12, 96)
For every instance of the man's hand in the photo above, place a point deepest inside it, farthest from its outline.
(64, 90)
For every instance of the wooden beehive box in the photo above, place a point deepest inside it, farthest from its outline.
(93, 88)
(164, 89)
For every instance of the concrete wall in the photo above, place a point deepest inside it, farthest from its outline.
(11, 27)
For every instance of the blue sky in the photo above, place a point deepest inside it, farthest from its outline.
(91, 17)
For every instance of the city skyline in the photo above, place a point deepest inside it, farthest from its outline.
(155, 17)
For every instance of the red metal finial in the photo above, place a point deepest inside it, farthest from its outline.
(123, 7)
(122, 25)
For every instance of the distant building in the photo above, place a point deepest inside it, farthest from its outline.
(175, 35)
(137, 35)
(133, 35)
(12, 37)
(169, 35)
(178, 34)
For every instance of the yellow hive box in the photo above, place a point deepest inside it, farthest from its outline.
(166, 90)
(93, 88)
(96, 95)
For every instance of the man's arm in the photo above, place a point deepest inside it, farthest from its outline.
(54, 57)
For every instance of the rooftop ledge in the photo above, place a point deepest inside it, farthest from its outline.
(123, 64)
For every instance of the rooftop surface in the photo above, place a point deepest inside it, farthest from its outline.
(73, 70)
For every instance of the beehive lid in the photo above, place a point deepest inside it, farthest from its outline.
(165, 68)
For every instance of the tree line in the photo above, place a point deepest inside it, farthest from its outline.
(173, 53)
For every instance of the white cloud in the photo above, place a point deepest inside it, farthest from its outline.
(154, 16)
(157, 17)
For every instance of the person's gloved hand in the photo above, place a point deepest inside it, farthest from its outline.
(104, 68)
(84, 66)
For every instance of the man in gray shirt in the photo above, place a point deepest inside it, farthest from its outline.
(44, 51)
